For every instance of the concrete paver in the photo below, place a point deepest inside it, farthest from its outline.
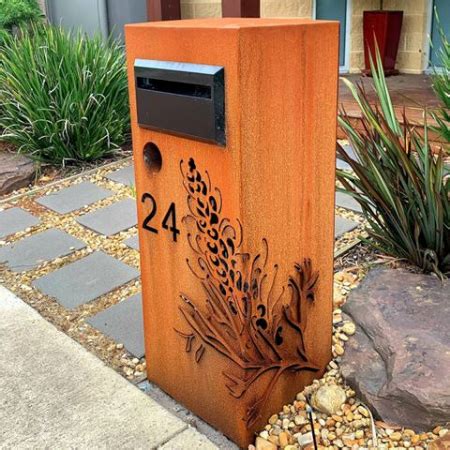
(123, 322)
(74, 197)
(346, 201)
(132, 242)
(13, 220)
(32, 251)
(86, 279)
(340, 164)
(342, 226)
(123, 176)
(112, 219)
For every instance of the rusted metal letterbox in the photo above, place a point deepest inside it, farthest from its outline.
(234, 132)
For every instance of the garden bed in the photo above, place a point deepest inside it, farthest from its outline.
(351, 425)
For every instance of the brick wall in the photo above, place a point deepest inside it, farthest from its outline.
(413, 47)
(412, 52)
(414, 41)
(269, 8)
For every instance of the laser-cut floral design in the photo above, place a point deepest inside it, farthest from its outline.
(243, 318)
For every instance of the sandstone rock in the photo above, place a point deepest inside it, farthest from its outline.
(442, 443)
(398, 361)
(262, 444)
(16, 171)
(283, 439)
(328, 399)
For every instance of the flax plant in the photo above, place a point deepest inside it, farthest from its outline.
(398, 181)
(64, 96)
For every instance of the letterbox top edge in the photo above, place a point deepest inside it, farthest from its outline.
(231, 23)
(177, 66)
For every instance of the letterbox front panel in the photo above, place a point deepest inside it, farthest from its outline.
(181, 98)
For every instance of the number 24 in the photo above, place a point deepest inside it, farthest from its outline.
(170, 216)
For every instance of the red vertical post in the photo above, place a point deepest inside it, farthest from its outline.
(163, 10)
(241, 8)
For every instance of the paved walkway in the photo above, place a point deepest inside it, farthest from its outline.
(72, 252)
(101, 207)
(53, 393)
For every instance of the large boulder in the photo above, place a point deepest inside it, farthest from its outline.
(16, 171)
(399, 358)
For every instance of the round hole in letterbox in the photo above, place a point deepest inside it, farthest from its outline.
(152, 157)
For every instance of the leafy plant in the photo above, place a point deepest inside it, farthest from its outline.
(64, 96)
(441, 87)
(398, 181)
(16, 12)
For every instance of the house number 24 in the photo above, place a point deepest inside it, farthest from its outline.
(169, 222)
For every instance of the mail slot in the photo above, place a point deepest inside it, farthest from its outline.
(181, 98)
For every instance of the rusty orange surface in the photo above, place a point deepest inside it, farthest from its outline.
(233, 329)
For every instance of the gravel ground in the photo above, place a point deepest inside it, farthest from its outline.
(351, 426)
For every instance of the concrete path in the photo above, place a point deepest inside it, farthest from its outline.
(54, 394)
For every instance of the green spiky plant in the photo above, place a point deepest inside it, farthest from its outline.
(441, 87)
(398, 181)
(16, 13)
(64, 96)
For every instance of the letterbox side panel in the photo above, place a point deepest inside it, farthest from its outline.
(289, 76)
(200, 386)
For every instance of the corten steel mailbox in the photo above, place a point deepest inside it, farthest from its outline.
(234, 132)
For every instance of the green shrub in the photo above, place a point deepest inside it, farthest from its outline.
(17, 12)
(441, 86)
(398, 181)
(64, 97)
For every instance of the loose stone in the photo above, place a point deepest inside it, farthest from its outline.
(328, 399)
(283, 439)
(396, 436)
(305, 439)
(262, 444)
(349, 328)
(339, 350)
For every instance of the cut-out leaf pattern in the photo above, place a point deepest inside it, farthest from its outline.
(244, 318)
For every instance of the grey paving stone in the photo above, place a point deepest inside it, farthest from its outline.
(112, 219)
(123, 322)
(86, 279)
(32, 251)
(348, 202)
(13, 220)
(74, 197)
(123, 176)
(132, 242)
(340, 164)
(342, 226)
